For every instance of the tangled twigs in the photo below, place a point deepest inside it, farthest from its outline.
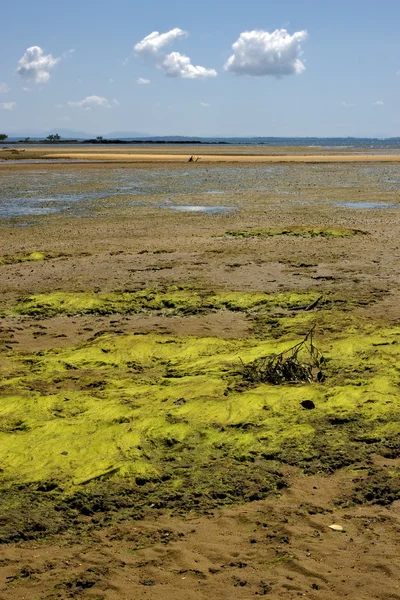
(301, 363)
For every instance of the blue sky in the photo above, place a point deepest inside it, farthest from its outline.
(341, 79)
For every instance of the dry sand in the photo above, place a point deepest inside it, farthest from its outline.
(210, 158)
(281, 549)
(202, 153)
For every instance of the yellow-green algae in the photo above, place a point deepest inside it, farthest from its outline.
(172, 299)
(127, 424)
(297, 231)
(36, 256)
(129, 405)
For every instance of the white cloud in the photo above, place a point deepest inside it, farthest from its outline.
(35, 66)
(91, 102)
(152, 43)
(347, 104)
(205, 104)
(142, 81)
(173, 64)
(379, 103)
(262, 53)
(7, 105)
(4, 89)
(179, 65)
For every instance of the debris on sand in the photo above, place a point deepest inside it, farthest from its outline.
(289, 366)
(336, 527)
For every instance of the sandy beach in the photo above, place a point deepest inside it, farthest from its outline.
(201, 153)
(136, 455)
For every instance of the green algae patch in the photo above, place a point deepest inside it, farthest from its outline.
(126, 424)
(169, 301)
(128, 405)
(297, 231)
(328, 319)
(28, 257)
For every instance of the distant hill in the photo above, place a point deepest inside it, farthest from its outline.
(71, 134)
(38, 134)
(123, 135)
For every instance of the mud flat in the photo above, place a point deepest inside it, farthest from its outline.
(144, 452)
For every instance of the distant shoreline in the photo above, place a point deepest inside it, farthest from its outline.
(106, 142)
(311, 142)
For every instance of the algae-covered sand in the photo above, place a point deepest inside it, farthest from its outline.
(132, 405)
(136, 458)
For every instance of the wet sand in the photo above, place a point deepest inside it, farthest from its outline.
(279, 545)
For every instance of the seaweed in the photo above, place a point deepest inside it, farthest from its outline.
(297, 231)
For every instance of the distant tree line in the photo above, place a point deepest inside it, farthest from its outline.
(54, 137)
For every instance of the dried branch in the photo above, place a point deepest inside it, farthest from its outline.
(300, 364)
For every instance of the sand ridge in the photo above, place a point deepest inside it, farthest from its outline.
(203, 154)
(224, 158)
